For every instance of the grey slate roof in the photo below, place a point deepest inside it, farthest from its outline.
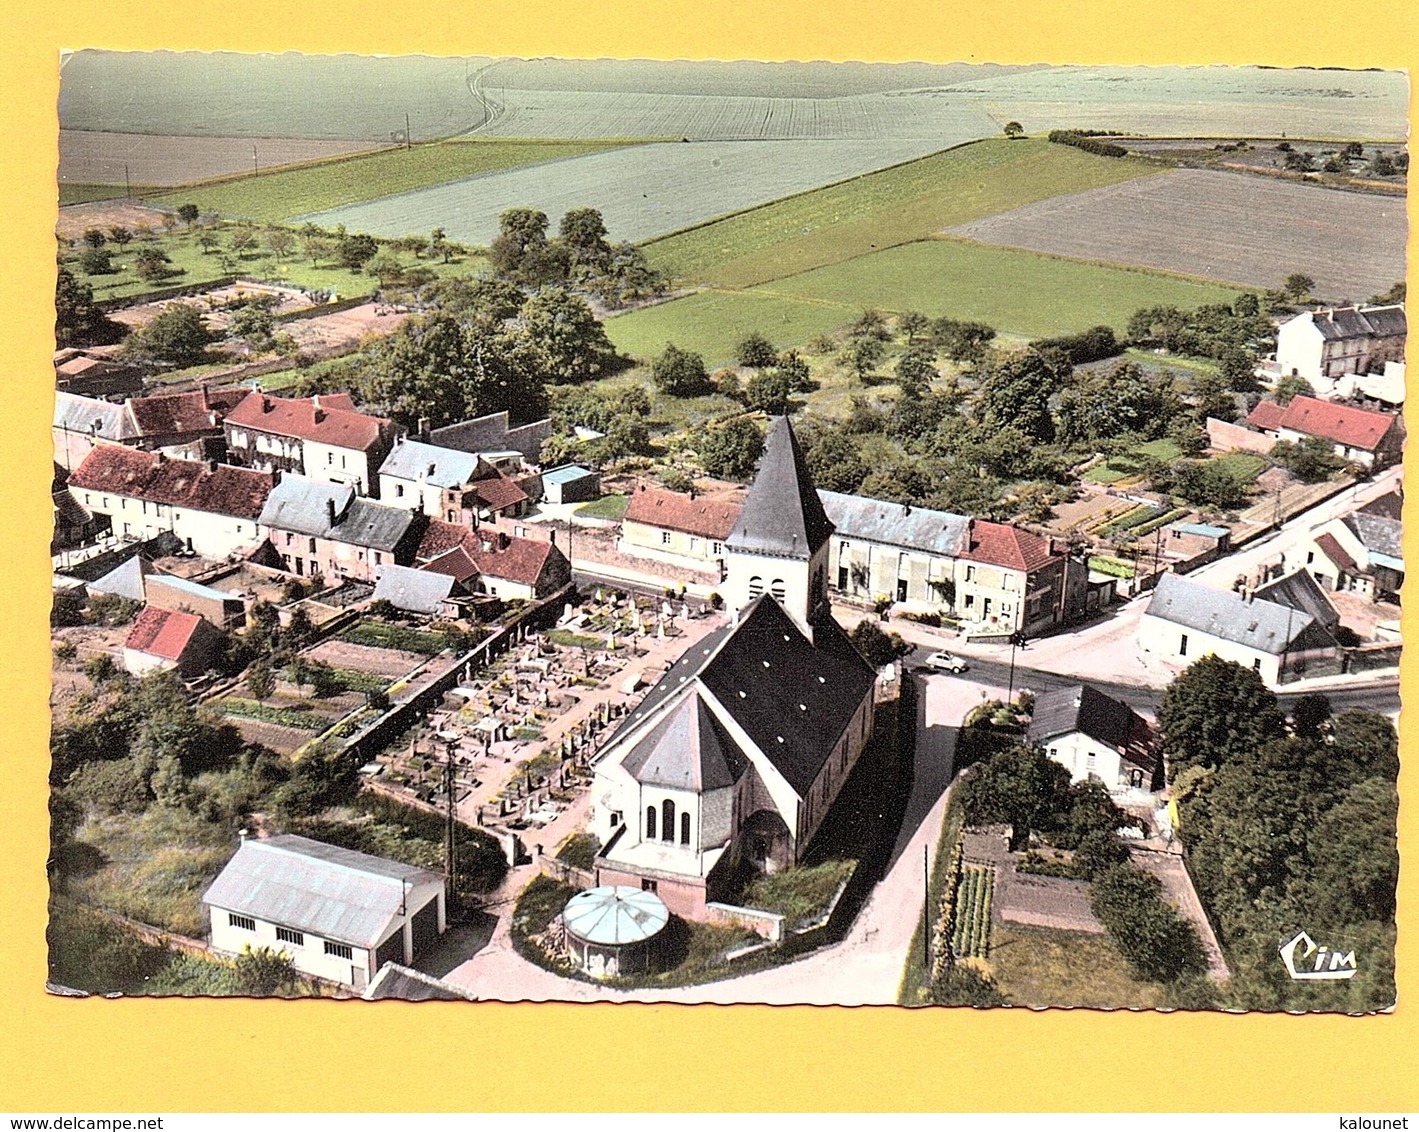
(567, 473)
(1258, 624)
(303, 505)
(1298, 590)
(94, 418)
(418, 591)
(1378, 534)
(1063, 711)
(794, 701)
(895, 524)
(442, 467)
(782, 514)
(687, 750)
(194, 589)
(1360, 322)
(125, 580)
(336, 894)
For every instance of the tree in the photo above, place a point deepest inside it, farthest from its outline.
(1311, 459)
(1297, 287)
(177, 336)
(96, 261)
(253, 324)
(1157, 942)
(1101, 404)
(916, 370)
(94, 238)
(261, 971)
(563, 337)
(731, 450)
(1019, 787)
(242, 240)
(755, 351)
(1214, 711)
(77, 320)
(356, 251)
(1209, 483)
(913, 324)
(438, 244)
(387, 268)
(317, 247)
(120, 235)
(522, 236)
(962, 341)
(835, 461)
(584, 234)
(870, 324)
(1289, 386)
(280, 241)
(1015, 389)
(1014, 130)
(188, 213)
(208, 242)
(1365, 746)
(877, 646)
(1098, 851)
(862, 354)
(1355, 859)
(679, 373)
(1212, 398)
(151, 264)
(769, 391)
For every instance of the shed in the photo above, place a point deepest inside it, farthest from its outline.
(614, 929)
(570, 483)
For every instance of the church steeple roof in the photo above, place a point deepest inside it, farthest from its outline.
(782, 514)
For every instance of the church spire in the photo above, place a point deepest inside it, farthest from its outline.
(782, 515)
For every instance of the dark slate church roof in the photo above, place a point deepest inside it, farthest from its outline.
(793, 700)
(782, 514)
(688, 750)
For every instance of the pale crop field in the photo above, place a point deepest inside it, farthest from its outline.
(641, 191)
(1235, 227)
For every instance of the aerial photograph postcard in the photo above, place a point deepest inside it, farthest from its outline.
(918, 534)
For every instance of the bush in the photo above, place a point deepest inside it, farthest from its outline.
(679, 373)
(1158, 944)
(1081, 139)
(265, 972)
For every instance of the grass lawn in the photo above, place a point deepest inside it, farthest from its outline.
(1017, 292)
(74, 193)
(1118, 468)
(884, 208)
(712, 323)
(607, 507)
(155, 866)
(191, 265)
(1047, 967)
(282, 194)
(799, 895)
(1243, 466)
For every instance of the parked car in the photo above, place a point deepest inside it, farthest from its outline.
(946, 662)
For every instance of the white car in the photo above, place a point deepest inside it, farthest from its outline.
(946, 662)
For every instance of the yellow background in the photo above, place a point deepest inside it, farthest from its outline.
(96, 1055)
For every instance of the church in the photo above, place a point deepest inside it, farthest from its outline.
(735, 757)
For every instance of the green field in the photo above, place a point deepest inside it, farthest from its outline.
(1019, 293)
(1047, 967)
(286, 193)
(84, 194)
(191, 265)
(882, 209)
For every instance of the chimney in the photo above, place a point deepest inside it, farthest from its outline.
(502, 540)
(692, 489)
(214, 418)
(211, 465)
(424, 428)
(330, 511)
(553, 536)
(265, 404)
(735, 620)
(315, 402)
(159, 457)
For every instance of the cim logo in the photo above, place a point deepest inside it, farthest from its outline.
(1306, 959)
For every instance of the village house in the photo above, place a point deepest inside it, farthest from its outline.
(494, 562)
(212, 508)
(737, 754)
(1370, 439)
(426, 593)
(570, 483)
(321, 437)
(330, 530)
(185, 425)
(1097, 738)
(881, 549)
(1361, 553)
(1328, 344)
(679, 528)
(164, 639)
(93, 371)
(81, 424)
(339, 914)
(492, 433)
(456, 487)
(1009, 580)
(1185, 620)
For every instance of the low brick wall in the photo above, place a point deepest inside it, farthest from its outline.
(767, 924)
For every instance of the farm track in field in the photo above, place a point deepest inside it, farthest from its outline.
(1226, 226)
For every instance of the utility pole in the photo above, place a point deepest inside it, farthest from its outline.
(255, 168)
(408, 144)
(1017, 639)
(926, 910)
(448, 851)
(127, 188)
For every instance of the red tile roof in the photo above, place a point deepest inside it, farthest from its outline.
(327, 420)
(496, 491)
(1000, 544)
(439, 537)
(162, 632)
(184, 412)
(1340, 424)
(456, 563)
(1336, 553)
(513, 559)
(712, 516)
(1266, 416)
(220, 489)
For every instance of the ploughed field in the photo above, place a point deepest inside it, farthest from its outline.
(641, 191)
(91, 158)
(1224, 226)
